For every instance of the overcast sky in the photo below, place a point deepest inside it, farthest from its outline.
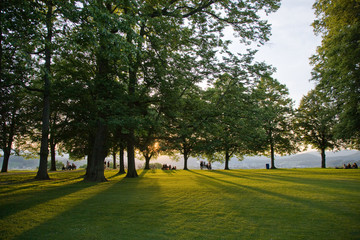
(291, 45)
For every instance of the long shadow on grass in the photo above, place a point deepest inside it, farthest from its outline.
(169, 172)
(329, 184)
(295, 199)
(249, 176)
(21, 201)
(113, 213)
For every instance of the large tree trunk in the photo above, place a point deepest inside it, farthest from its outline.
(227, 159)
(96, 169)
(121, 163)
(147, 161)
(89, 153)
(6, 156)
(5, 164)
(133, 81)
(53, 153)
(1, 43)
(186, 157)
(8, 143)
(323, 158)
(114, 159)
(44, 149)
(272, 152)
(132, 173)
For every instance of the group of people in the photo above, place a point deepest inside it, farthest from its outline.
(69, 166)
(349, 166)
(205, 165)
(168, 167)
(106, 164)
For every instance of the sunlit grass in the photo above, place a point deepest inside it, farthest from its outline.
(236, 204)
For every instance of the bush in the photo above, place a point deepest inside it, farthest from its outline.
(59, 165)
(83, 166)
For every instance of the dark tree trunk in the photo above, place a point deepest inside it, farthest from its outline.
(147, 162)
(44, 149)
(323, 158)
(272, 152)
(114, 159)
(8, 140)
(132, 70)
(53, 153)
(6, 155)
(227, 159)
(132, 173)
(96, 169)
(89, 153)
(5, 164)
(121, 163)
(1, 41)
(186, 157)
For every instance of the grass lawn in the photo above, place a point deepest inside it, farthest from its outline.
(236, 204)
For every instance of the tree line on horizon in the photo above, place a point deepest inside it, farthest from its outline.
(100, 77)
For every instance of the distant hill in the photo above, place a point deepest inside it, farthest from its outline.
(19, 163)
(300, 160)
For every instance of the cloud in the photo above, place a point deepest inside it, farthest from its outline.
(291, 45)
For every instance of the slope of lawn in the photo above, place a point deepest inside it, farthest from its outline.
(235, 204)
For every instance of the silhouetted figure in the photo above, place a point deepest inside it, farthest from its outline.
(354, 166)
(201, 165)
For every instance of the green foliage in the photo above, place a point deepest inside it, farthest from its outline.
(231, 124)
(336, 64)
(17, 25)
(316, 119)
(83, 166)
(59, 165)
(276, 113)
(123, 69)
(246, 204)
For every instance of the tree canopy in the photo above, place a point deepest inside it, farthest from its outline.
(316, 120)
(107, 69)
(336, 63)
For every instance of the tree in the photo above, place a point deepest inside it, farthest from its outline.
(16, 30)
(185, 124)
(178, 30)
(97, 38)
(336, 64)
(12, 117)
(277, 116)
(315, 122)
(135, 51)
(232, 129)
(44, 149)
